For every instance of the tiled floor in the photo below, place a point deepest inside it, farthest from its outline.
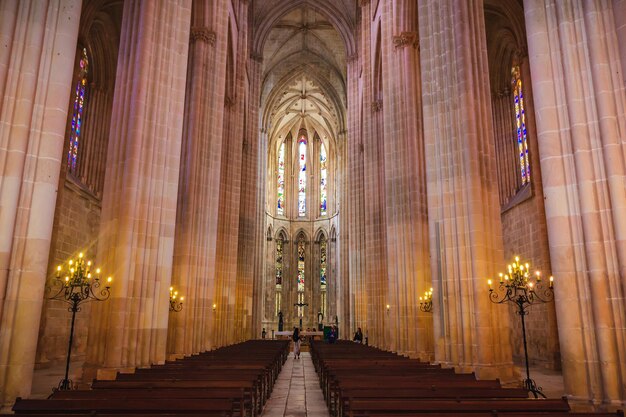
(297, 391)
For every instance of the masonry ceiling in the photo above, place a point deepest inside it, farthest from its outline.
(304, 67)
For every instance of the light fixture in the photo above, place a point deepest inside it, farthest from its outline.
(520, 288)
(77, 285)
(176, 302)
(426, 302)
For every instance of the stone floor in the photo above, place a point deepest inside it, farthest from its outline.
(297, 391)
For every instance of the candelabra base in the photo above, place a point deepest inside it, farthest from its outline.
(531, 386)
(65, 385)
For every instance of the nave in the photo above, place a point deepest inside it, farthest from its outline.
(261, 378)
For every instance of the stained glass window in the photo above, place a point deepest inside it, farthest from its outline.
(323, 244)
(520, 125)
(302, 177)
(301, 265)
(77, 113)
(323, 175)
(281, 180)
(279, 261)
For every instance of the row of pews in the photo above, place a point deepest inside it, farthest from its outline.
(231, 381)
(359, 381)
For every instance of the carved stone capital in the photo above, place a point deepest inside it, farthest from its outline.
(203, 33)
(377, 105)
(256, 57)
(364, 3)
(352, 58)
(406, 39)
(229, 102)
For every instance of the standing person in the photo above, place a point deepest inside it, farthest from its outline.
(296, 343)
(332, 336)
(358, 336)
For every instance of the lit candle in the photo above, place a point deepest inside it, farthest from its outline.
(181, 299)
(59, 271)
(489, 282)
(538, 276)
(551, 281)
(501, 277)
(109, 279)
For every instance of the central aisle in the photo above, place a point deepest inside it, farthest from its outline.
(297, 391)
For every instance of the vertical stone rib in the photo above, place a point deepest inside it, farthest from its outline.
(139, 202)
(580, 98)
(35, 77)
(462, 188)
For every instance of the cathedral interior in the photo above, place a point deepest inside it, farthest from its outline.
(328, 161)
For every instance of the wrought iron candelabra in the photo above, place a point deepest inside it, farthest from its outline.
(77, 285)
(519, 288)
(426, 302)
(176, 304)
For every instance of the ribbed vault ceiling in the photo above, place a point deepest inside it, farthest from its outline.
(304, 72)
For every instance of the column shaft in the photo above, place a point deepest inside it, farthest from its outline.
(36, 74)
(139, 203)
(463, 209)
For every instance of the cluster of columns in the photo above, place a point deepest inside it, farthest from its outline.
(165, 192)
(580, 101)
(36, 67)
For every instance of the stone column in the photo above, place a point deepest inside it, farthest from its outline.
(579, 100)
(250, 236)
(405, 180)
(354, 191)
(465, 231)
(36, 60)
(230, 184)
(139, 201)
(256, 135)
(191, 330)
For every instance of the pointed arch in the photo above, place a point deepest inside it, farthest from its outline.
(319, 234)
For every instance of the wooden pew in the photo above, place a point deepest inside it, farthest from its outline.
(211, 407)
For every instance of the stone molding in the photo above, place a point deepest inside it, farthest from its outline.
(364, 3)
(350, 59)
(406, 39)
(203, 33)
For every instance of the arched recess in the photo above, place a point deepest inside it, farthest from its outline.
(78, 205)
(507, 48)
(301, 48)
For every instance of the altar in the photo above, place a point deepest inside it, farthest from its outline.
(305, 334)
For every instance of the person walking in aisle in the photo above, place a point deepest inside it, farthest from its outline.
(296, 343)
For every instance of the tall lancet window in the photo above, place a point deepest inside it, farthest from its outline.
(520, 125)
(279, 261)
(300, 265)
(77, 113)
(280, 209)
(280, 241)
(323, 176)
(302, 177)
(300, 277)
(323, 248)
